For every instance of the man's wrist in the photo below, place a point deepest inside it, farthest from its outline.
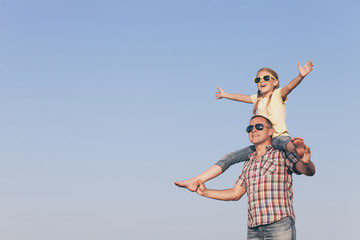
(202, 193)
(306, 163)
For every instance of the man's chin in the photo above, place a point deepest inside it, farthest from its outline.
(257, 141)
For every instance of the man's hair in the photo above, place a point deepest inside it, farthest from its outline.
(267, 120)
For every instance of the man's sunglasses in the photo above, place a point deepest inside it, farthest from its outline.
(266, 78)
(258, 126)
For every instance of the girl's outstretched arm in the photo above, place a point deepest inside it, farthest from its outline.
(303, 72)
(233, 96)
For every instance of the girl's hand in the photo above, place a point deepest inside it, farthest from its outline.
(306, 69)
(220, 93)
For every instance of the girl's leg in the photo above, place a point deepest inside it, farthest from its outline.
(281, 143)
(294, 145)
(215, 170)
(193, 183)
(232, 158)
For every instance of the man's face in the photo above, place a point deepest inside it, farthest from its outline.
(260, 136)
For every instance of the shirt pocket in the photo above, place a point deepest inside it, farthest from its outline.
(269, 167)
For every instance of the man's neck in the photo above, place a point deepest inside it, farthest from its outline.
(261, 149)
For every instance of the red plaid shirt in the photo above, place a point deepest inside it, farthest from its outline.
(268, 183)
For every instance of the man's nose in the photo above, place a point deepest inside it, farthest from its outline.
(254, 129)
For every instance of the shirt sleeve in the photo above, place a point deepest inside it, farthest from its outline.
(277, 94)
(241, 180)
(253, 98)
(290, 160)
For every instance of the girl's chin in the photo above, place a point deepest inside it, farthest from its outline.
(264, 92)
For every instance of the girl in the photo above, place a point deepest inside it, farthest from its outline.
(270, 102)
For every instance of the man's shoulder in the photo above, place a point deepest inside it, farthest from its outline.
(281, 152)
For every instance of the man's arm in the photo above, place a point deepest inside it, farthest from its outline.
(233, 194)
(305, 165)
(233, 96)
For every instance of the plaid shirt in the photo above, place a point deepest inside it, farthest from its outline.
(268, 183)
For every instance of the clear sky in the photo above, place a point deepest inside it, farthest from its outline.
(104, 104)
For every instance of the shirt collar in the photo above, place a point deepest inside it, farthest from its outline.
(268, 149)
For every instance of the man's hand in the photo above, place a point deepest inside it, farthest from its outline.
(201, 189)
(220, 93)
(307, 155)
(306, 69)
(305, 165)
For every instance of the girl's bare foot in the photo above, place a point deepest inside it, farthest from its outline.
(299, 146)
(191, 184)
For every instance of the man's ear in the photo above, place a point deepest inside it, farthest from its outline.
(271, 131)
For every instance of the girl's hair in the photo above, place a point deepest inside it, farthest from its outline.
(259, 94)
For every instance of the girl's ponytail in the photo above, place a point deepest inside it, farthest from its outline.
(259, 95)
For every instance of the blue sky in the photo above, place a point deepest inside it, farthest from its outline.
(105, 103)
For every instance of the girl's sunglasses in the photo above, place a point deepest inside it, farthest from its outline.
(266, 78)
(258, 126)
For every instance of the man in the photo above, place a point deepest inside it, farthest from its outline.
(267, 180)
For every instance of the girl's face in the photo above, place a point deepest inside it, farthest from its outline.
(266, 87)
